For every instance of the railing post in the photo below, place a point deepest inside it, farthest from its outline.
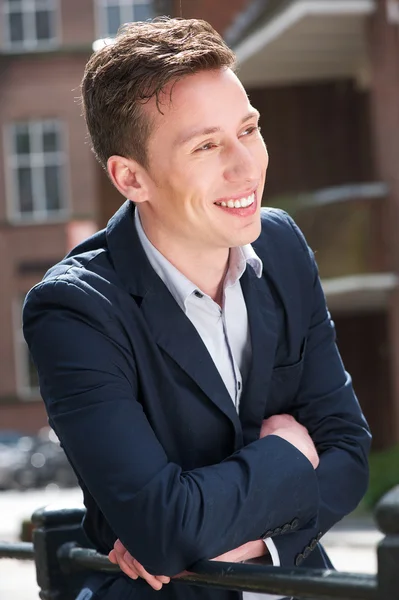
(387, 518)
(53, 528)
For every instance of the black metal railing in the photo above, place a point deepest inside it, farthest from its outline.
(63, 561)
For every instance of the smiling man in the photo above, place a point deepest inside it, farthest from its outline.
(186, 356)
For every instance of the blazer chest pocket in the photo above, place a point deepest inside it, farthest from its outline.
(284, 385)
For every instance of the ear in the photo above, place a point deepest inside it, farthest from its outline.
(129, 177)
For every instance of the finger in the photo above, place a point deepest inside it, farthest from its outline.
(112, 557)
(130, 565)
(119, 547)
(150, 579)
(131, 562)
(129, 559)
(132, 573)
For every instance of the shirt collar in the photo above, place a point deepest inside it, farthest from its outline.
(179, 286)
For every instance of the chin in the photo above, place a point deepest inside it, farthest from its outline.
(249, 234)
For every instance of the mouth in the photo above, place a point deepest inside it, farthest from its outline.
(242, 207)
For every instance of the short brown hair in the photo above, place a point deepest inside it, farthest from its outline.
(144, 57)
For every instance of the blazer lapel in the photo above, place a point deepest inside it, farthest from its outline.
(177, 336)
(170, 327)
(263, 330)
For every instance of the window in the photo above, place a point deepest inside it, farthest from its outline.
(113, 13)
(27, 378)
(29, 24)
(36, 164)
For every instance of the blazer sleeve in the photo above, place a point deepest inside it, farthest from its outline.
(168, 519)
(327, 406)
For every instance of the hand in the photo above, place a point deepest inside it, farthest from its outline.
(245, 552)
(288, 428)
(132, 568)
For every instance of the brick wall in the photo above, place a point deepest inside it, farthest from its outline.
(40, 86)
(220, 14)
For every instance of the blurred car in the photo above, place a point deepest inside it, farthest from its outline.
(11, 438)
(15, 450)
(34, 461)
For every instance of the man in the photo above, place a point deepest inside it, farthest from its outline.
(192, 378)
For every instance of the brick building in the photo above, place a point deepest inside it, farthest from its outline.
(325, 75)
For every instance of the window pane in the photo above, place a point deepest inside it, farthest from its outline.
(50, 140)
(45, 4)
(52, 183)
(142, 11)
(22, 139)
(113, 22)
(16, 27)
(43, 25)
(33, 379)
(25, 194)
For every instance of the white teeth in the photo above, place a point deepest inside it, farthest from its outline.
(243, 203)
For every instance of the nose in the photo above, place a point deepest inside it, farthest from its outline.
(241, 165)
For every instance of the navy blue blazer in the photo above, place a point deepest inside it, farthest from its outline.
(164, 461)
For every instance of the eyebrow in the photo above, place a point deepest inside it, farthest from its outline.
(210, 130)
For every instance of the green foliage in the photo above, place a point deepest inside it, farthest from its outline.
(384, 475)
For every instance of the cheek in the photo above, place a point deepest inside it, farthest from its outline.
(265, 157)
(196, 186)
(262, 154)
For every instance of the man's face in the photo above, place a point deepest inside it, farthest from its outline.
(207, 164)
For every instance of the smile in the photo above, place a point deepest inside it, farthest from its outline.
(241, 203)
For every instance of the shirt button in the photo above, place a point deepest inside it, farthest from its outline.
(239, 385)
(198, 294)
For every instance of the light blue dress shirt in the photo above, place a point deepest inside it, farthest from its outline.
(224, 331)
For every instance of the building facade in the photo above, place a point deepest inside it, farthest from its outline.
(325, 76)
(52, 191)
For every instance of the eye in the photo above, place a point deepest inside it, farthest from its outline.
(207, 146)
(250, 130)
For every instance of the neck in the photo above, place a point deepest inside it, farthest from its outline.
(205, 268)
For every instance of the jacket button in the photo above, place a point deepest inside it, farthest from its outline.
(306, 552)
(319, 536)
(294, 523)
(299, 560)
(268, 533)
(277, 531)
(286, 528)
(313, 544)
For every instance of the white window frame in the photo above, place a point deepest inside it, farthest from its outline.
(28, 9)
(21, 353)
(127, 7)
(36, 159)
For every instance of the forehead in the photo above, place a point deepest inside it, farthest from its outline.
(206, 99)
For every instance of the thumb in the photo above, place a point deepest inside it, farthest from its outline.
(112, 557)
